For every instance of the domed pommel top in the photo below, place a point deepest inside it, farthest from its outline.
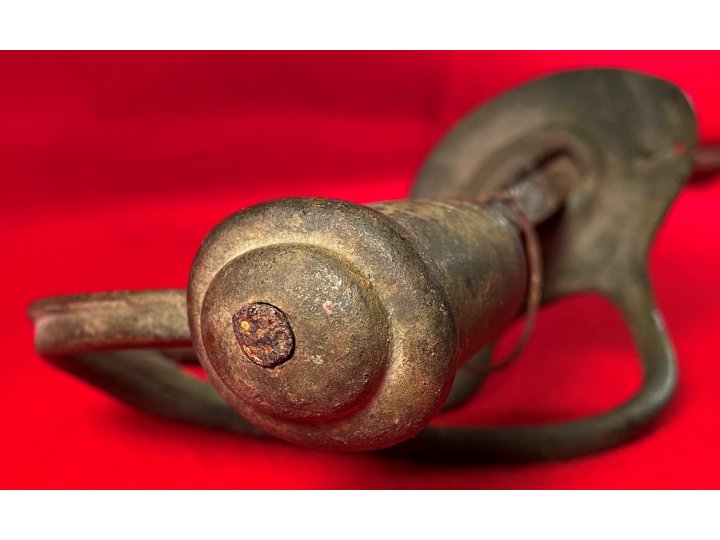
(295, 332)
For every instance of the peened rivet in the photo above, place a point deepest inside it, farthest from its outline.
(264, 334)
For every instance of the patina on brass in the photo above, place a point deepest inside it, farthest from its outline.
(335, 325)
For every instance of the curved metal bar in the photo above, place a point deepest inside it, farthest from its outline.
(82, 334)
(578, 437)
(90, 336)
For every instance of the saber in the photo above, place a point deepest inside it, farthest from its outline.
(348, 327)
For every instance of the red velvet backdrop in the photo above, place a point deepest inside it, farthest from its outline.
(115, 165)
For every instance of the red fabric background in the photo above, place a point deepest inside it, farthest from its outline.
(115, 165)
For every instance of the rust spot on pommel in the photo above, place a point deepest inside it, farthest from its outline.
(264, 334)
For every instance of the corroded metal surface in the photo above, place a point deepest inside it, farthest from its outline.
(377, 300)
(341, 326)
(263, 333)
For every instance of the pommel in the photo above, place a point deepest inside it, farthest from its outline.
(336, 325)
